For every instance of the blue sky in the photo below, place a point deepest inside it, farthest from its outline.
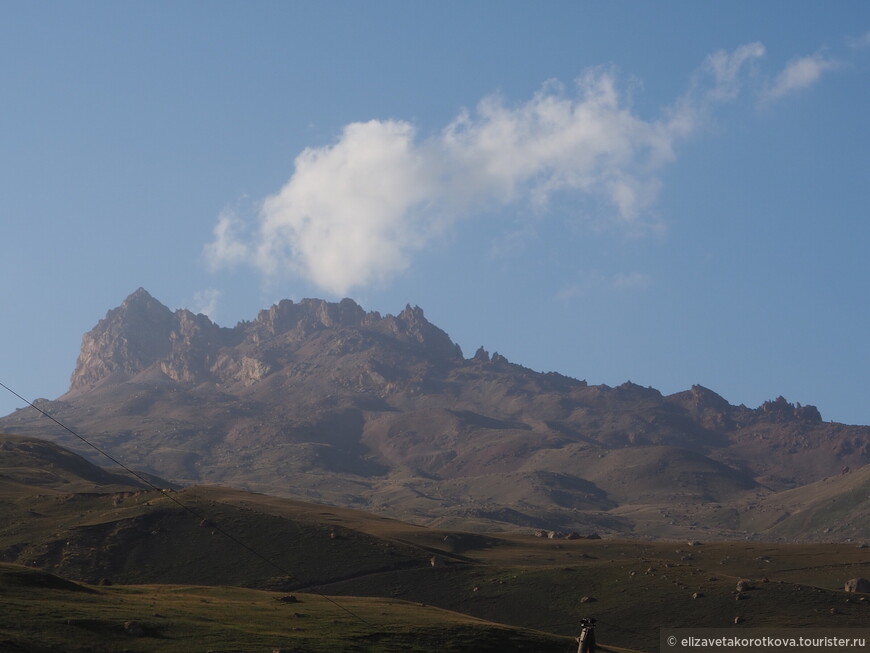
(668, 193)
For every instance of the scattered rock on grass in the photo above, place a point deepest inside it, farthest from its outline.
(290, 598)
(134, 629)
(861, 585)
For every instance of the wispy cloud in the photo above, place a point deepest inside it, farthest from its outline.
(728, 68)
(354, 212)
(206, 302)
(798, 75)
(595, 281)
(862, 41)
(228, 247)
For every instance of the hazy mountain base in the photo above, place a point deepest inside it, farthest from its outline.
(656, 491)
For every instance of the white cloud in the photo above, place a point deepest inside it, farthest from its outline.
(798, 75)
(353, 213)
(591, 143)
(206, 302)
(227, 248)
(862, 41)
(727, 69)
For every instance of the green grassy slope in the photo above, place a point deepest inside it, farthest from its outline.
(834, 508)
(42, 613)
(638, 588)
(145, 537)
(29, 463)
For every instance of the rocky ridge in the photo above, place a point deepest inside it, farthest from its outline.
(190, 349)
(329, 402)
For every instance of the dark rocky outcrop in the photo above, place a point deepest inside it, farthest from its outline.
(861, 585)
(781, 409)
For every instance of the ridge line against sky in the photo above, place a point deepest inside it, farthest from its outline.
(666, 193)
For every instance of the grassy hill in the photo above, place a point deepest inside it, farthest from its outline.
(521, 580)
(835, 507)
(28, 463)
(194, 566)
(43, 613)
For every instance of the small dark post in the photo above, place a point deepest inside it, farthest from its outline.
(586, 638)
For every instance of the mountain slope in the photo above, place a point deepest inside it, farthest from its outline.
(325, 401)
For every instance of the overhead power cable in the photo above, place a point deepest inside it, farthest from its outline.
(171, 496)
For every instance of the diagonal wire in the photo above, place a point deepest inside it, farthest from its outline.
(182, 505)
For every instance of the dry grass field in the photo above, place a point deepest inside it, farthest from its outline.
(43, 613)
(539, 585)
(203, 569)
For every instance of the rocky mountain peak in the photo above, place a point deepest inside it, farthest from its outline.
(413, 315)
(128, 339)
(698, 399)
(141, 299)
(307, 314)
(411, 322)
(782, 410)
(705, 398)
(142, 332)
(481, 355)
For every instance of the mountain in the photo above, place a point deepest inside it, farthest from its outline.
(328, 402)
